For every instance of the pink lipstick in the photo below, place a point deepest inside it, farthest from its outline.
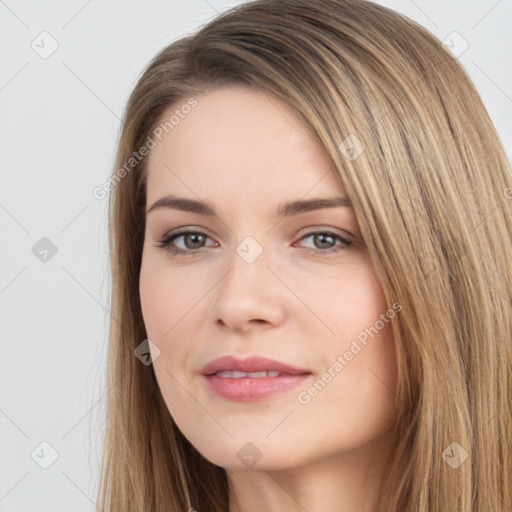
(253, 378)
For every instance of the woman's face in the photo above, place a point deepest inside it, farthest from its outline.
(256, 279)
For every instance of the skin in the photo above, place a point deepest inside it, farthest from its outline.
(245, 152)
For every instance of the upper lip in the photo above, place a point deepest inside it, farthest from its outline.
(250, 364)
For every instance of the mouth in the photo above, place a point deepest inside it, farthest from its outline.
(251, 379)
(252, 375)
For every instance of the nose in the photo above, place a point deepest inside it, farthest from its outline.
(250, 295)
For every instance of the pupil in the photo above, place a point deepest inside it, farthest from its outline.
(321, 239)
(194, 237)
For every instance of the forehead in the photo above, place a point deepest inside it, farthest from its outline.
(239, 143)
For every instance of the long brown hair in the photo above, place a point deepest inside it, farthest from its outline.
(431, 191)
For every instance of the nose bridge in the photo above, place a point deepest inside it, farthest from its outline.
(248, 291)
(248, 269)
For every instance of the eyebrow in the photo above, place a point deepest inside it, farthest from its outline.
(283, 210)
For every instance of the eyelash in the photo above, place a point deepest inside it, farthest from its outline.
(165, 243)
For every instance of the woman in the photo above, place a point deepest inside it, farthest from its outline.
(251, 366)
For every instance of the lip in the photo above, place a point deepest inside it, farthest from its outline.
(250, 389)
(250, 364)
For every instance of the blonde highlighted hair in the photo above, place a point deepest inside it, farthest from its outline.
(431, 191)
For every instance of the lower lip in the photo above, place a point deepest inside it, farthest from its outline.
(247, 389)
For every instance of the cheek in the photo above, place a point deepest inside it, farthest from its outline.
(167, 305)
(172, 303)
(166, 298)
(356, 312)
(348, 301)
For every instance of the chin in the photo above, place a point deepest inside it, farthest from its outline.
(240, 453)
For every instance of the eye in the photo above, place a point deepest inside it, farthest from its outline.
(325, 241)
(191, 243)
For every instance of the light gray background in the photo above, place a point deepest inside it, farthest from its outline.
(59, 125)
